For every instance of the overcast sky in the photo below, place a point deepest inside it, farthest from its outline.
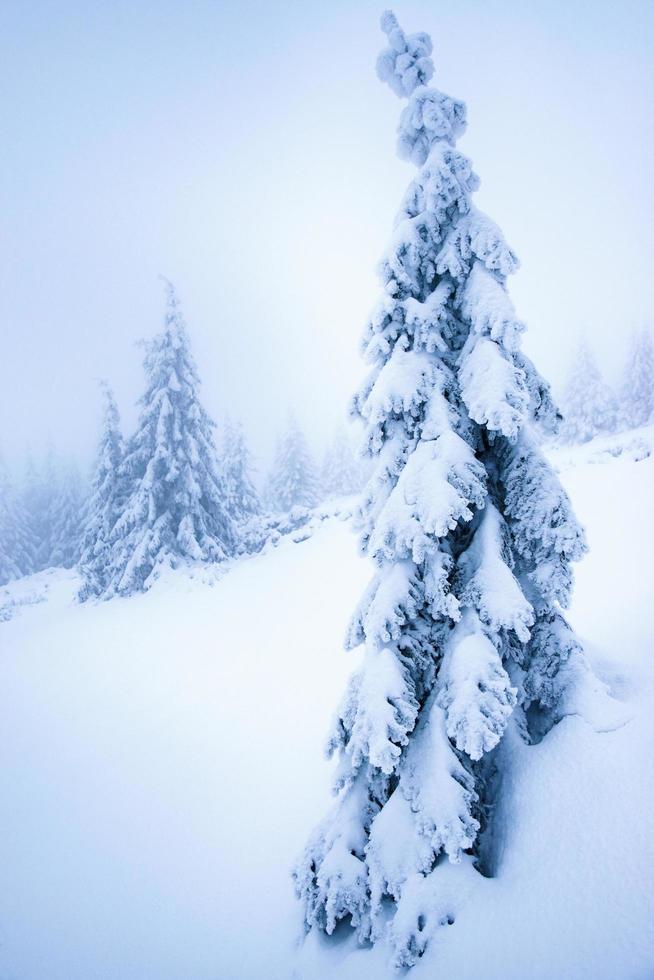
(247, 151)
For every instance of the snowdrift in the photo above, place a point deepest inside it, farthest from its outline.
(160, 767)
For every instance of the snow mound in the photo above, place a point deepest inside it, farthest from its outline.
(159, 768)
(633, 445)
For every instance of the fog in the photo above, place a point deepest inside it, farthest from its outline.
(247, 152)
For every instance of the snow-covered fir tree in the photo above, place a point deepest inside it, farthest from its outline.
(637, 389)
(175, 508)
(67, 519)
(40, 498)
(241, 497)
(589, 406)
(53, 502)
(341, 471)
(17, 541)
(293, 479)
(105, 504)
(472, 537)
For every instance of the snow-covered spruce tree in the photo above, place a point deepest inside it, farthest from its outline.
(105, 505)
(40, 496)
(589, 406)
(241, 497)
(293, 479)
(637, 389)
(472, 538)
(175, 508)
(341, 472)
(17, 542)
(67, 520)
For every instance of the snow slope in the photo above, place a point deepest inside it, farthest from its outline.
(160, 767)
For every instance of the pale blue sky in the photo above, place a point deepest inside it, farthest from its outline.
(246, 151)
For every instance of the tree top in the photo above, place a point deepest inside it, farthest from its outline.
(406, 63)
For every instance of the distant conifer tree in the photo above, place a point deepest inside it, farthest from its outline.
(589, 406)
(637, 389)
(341, 471)
(17, 542)
(105, 505)
(293, 480)
(175, 510)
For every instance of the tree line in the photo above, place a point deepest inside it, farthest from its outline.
(590, 407)
(167, 494)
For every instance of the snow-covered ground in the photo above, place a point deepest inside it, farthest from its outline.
(160, 767)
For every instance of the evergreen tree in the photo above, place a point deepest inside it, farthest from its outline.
(340, 473)
(175, 510)
(589, 406)
(40, 496)
(293, 480)
(17, 543)
(472, 538)
(241, 498)
(67, 520)
(637, 390)
(105, 504)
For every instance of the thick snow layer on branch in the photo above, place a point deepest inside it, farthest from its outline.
(430, 811)
(429, 117)
(486, 304)
(475, 236)
(405, 63)
(437, 488)
(544, 531)
(440, 193)
(402, 386)
(331, 877)
(493, 388)
(378, 712)
(393, 598)
(477, 694)
(488, 582)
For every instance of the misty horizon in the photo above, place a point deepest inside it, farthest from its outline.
(157, 140)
